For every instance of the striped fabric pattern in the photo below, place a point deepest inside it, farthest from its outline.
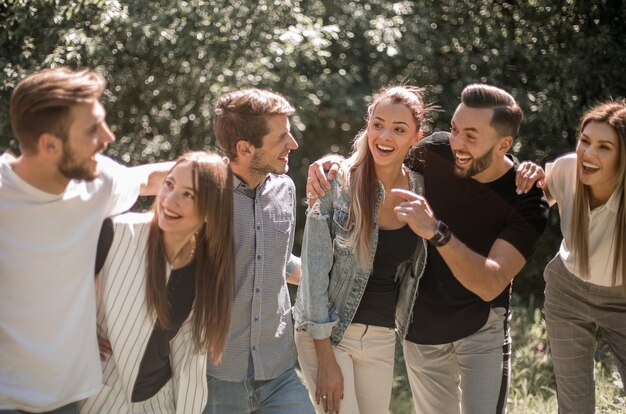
(123, 319)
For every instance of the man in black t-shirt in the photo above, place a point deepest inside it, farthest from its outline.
(480, 232)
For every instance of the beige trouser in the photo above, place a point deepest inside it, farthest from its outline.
(365, 356)
(469, 376)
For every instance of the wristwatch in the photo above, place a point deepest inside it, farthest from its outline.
(442, 234)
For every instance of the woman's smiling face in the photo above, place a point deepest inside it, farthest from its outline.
(391, 131)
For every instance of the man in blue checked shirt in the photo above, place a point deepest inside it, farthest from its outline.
(257, 372)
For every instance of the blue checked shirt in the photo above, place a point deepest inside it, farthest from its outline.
(260, 340)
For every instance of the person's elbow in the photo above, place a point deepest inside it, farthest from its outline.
(498, 282)
(489, 294)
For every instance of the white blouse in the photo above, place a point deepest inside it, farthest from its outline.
(562, 186)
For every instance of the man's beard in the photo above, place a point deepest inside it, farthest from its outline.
(479, 165)
(71, 169)
(258, 166)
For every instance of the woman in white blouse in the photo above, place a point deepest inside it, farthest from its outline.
(585, 290)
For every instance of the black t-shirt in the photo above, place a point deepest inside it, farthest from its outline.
(378, 303)
(477, 214)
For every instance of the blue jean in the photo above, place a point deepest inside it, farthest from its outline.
(66, 409)
(282, 395)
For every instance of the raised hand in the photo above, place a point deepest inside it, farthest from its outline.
(416, 212)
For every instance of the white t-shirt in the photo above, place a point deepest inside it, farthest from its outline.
(48, 348)
(562, 186)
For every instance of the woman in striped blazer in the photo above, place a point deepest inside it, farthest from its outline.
(165, 293)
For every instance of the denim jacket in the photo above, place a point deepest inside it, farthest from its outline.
(333, 281)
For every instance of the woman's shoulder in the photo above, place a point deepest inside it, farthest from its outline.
(566, 159)
(132, 221)
(563, 166)
(340, 185)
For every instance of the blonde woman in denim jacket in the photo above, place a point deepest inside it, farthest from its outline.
(361, 264)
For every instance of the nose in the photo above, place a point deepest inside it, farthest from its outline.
(292, 144)
(385, 133)
(106, 135)
(169, 198)
(456, 142)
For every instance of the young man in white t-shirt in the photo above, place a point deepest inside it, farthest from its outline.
(53, 199)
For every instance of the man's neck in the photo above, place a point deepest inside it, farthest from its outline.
(245, 174)
(39, 174)
(496, 170)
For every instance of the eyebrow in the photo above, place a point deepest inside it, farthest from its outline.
(473, 129)
(171, 178)
(602, 141)
(394, 122)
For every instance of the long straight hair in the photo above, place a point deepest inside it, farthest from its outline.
(613, 114)
(214, 255)
(361, 176)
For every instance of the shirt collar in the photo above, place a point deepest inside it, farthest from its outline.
(241, 186)
(613, 203)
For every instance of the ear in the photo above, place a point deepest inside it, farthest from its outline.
(49, 144)
(244, 149)
(418, 137)
(505, 144)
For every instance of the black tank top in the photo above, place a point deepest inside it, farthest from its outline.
(378, 304)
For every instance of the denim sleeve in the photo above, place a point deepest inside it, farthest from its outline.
(312, 304)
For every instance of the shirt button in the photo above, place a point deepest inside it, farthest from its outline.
(256, 318)
(257, 290)
(258, 227)
(258, 257)
(253, 348)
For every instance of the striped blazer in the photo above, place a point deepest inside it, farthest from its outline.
(123, 319)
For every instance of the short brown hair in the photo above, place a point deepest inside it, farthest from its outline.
(41, 102)
(507, 115)
(241, 115)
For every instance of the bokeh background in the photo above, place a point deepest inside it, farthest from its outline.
(166, 62)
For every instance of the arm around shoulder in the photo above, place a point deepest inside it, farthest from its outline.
(151, 176)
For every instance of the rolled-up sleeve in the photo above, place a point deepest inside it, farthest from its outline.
(312, 305)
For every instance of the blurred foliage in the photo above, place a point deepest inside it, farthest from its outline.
(166, 61)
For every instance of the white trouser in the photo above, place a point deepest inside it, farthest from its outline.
(365, 356)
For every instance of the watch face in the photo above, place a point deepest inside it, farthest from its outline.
(441, 228)
(442, 234)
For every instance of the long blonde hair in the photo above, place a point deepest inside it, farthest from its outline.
(361, 176)
(612, 113)
(214, 255)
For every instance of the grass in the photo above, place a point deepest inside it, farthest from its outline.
(533, 387)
